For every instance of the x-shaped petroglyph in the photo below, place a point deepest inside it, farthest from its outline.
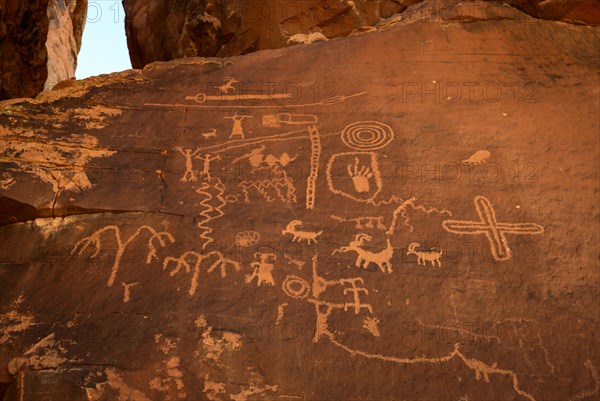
(491, 228)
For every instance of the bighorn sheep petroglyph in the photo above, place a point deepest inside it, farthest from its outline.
(382, 259)
(298, 235)
(424, 257)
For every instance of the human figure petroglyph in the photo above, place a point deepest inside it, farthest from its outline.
(489, 226)
(423, 257)
(206, 161)
(237, 131)
(189, 164)
(355, 290)
(382, 259)
(95, 241)
(298, 235)
(360, 176)
(263, 269)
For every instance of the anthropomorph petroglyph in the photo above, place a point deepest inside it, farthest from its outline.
(206, 161)
(189, 163)
(95, 241)
(364, 258)
(423, 257)
(263, 269)
(478, 157)
(237, 131)
(489, 226)
(298, 235)
(367, 135)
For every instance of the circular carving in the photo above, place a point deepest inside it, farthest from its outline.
(296, 287)
(367, 135)
(247, 238)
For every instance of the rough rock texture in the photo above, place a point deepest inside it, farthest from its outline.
(165, 30)
(39, 42)
(162, 30)
(67, 19)
(407, 214)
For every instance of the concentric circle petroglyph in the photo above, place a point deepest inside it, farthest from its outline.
(296, 287)
(367, 135)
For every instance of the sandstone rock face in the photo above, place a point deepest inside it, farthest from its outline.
(406, 214)
(39, 42)
(163, 30)
(67, 20)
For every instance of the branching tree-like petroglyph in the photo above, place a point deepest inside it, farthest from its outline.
(489, 226)
(95, 241)
(191, 262)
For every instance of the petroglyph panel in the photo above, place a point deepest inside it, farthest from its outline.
(273, 226)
